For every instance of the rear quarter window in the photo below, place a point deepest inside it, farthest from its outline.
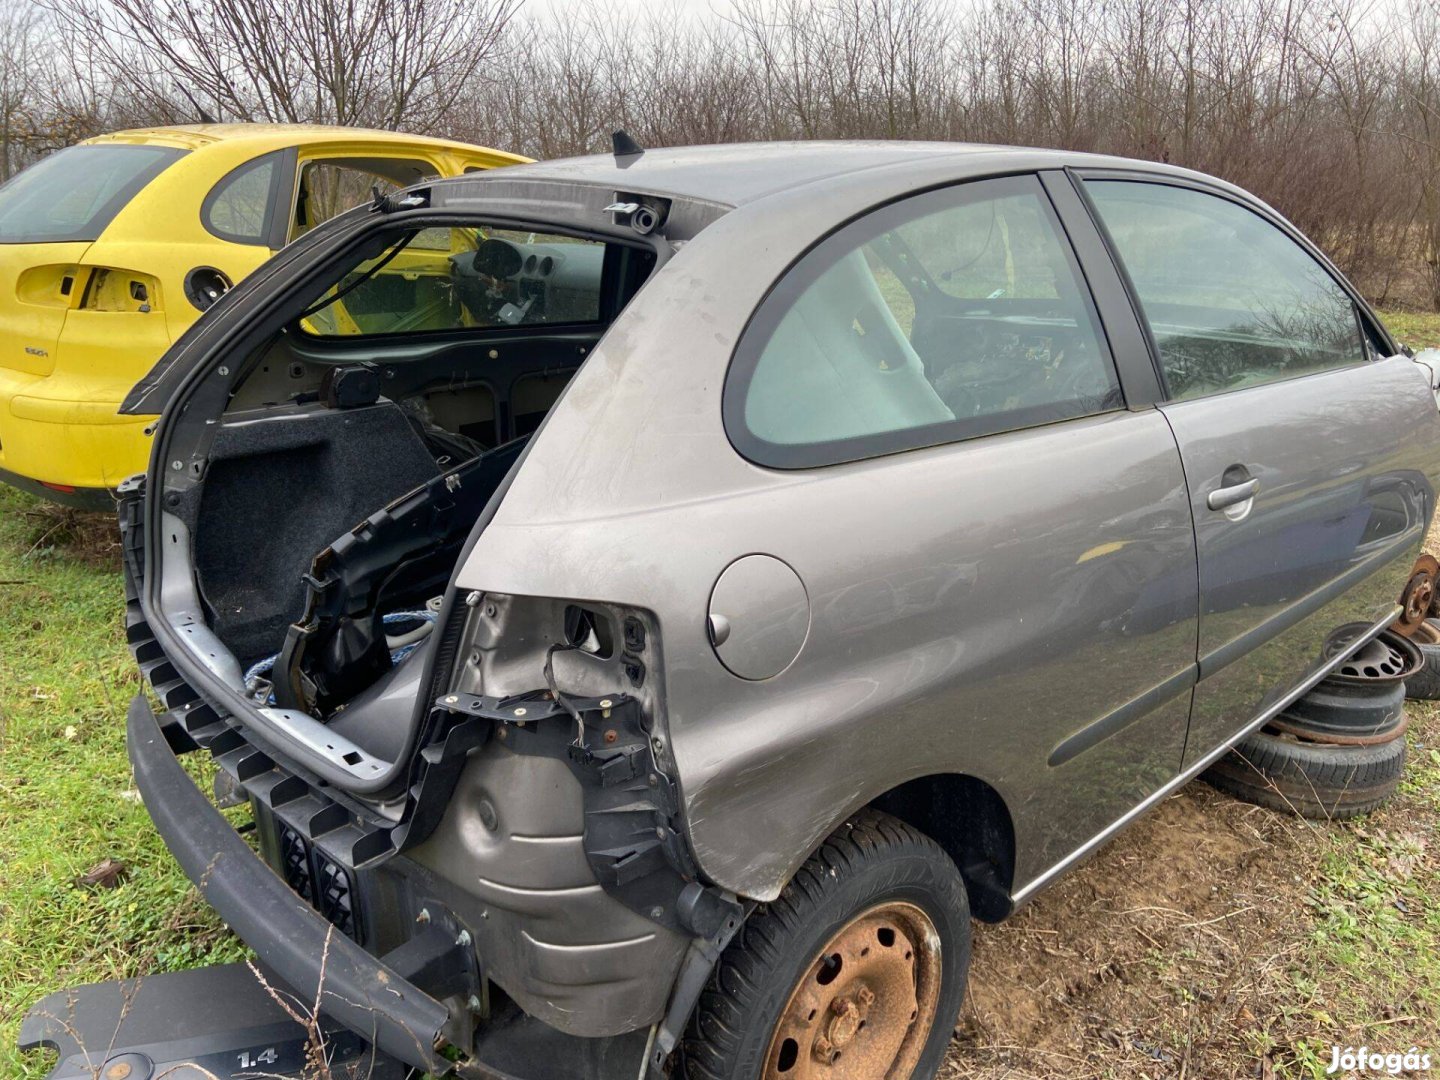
(241, 207)
(73, 194)
(950, 315)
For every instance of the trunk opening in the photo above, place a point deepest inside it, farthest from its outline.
(327, 505)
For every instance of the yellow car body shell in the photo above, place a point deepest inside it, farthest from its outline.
(75, 331)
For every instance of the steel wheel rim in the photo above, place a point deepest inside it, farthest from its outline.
(864, 1005)
(1385, 658)
(1393, 657)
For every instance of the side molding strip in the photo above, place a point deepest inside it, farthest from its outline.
(1023, 894)
(1307, 605)
(1095, 733)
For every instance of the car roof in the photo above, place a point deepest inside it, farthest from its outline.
(734, 174)
(274, 136)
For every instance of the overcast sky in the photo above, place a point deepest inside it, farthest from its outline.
(1372, 9)
(683, 8)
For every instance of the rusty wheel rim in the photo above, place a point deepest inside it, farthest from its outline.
(1336, 738)
(1419, 595)
(865, 1004)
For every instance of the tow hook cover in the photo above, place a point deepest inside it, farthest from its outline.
(759, 616)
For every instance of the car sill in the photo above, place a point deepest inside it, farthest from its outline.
(1020, 896)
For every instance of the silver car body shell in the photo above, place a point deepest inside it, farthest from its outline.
(957, 621)
(1021, 609)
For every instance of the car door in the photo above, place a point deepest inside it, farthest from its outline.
(1299, 447)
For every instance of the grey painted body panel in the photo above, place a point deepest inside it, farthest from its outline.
(935, 578)
(1194, 767)
(954, 626)
(759, 616)
(740, 174)
(1343, 459)
(734, 174)
(1025, 608)
(942, 638)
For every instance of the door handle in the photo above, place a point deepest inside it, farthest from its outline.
(1223, 497)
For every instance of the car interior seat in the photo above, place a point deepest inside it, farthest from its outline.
(839, 366)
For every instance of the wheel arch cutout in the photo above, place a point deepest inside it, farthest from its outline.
(970, 821)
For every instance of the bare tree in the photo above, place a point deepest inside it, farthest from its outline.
(1328, 109)
(380, 63)
(21, 39)
(1418, 106)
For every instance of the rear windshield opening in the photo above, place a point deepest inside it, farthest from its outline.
(410, 385)
(73, 194)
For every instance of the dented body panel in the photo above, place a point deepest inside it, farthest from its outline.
(973, 607)
(662, 673)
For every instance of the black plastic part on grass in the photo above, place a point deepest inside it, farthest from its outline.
(288, 935)
(219, 1022)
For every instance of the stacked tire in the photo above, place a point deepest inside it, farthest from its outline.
(1424, 685)
(1339, 751)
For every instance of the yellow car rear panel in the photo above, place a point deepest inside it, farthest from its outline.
(81, 322)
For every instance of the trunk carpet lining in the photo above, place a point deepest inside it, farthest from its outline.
(276, 493)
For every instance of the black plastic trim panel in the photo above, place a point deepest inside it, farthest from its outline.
(88, 499)
(288, 935)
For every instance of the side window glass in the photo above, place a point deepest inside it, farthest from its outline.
(1231, 300)
(950, 315)
(329, 187)
(457, 279)
(241, 206)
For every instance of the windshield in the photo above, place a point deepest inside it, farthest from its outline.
(74, 194)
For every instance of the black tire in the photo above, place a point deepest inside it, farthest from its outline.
(1424, 685)
(870, 860)
(1347, 711)
(1315, 780)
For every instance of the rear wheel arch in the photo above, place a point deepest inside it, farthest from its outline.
(969, 820)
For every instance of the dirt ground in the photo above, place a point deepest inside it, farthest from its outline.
(1152, 958)
(1184, 949)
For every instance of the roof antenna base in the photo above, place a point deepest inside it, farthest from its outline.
(622, 145)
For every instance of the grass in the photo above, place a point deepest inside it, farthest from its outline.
(1419, 330)
(1369, 972)
(1370, 969)
(66, 795)
(1125, 968)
